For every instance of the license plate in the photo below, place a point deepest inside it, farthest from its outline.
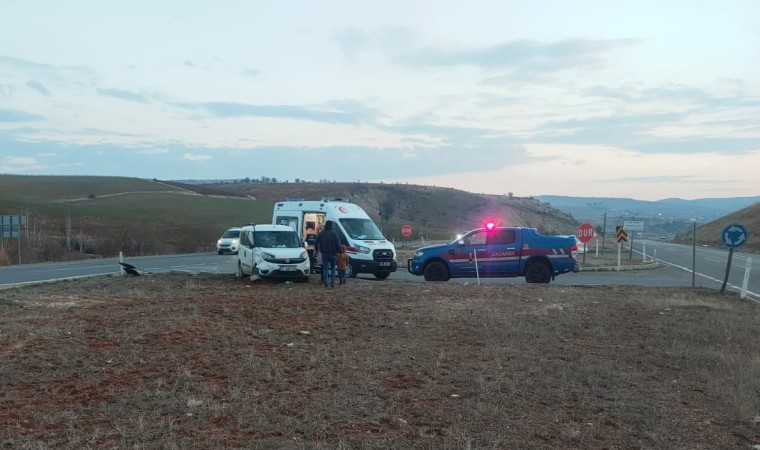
(384, 264)
(288, 268)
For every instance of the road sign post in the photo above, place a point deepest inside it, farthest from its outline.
(406, 231)
(10, 227)
(734, 236)
(585, 233)
(635, 226)
(622, 236)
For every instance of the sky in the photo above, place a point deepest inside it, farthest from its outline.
(592, 98)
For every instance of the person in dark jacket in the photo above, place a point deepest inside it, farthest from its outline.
(328, 245)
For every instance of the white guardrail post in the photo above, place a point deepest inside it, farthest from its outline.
(746, 278)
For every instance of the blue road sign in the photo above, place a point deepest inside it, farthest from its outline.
(734, 235)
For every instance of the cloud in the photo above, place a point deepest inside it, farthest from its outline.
(154, 151)
(39, 87)
(5, 90)
(522, 56)
(12, 115)
(195, 157)
(351, 41)
(333, 112)
(124, 95)
(34, 67)
(18, 164)
(658, 179)
(251, 73)
(393, 41)
(637, 132)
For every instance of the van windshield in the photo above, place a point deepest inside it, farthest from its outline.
(276, 239)
(231, 234)
(361, 229)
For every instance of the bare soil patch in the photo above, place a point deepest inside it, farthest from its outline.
(177, 361)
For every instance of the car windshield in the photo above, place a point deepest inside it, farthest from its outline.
(276, 239)
(231, 234)
(361, 229)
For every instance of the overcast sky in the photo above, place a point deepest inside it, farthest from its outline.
(643, 99)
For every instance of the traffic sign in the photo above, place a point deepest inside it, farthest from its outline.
(406, 230)
(585, 232)
(734, 235)
(633, 225)
(622, 236)
(10, 226)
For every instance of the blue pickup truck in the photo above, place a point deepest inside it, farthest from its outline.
(498, 252)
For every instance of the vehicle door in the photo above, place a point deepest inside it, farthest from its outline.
(466, 253)
(502, 258)
(245, 251)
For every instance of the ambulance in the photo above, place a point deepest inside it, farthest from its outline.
(368, 251)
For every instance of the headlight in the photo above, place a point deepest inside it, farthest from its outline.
(267, 256)
(417, 253)
(304, 255)
(234, 242)
(362, 249)
(219, 242)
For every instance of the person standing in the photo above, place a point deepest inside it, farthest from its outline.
(328, 245)
(342, 264)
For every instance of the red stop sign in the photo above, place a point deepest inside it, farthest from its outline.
(585, 232)
(406, 230)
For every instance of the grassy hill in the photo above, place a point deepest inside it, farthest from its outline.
(437, 212)
(71, 217)
(710, 233)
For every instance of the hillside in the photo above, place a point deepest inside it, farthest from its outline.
(670, 209)
(710, 233)
(436, 212)
(74, 217)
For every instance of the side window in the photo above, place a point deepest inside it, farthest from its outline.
(244, 241)
(478, 238)
(290, 221)
(501, 237)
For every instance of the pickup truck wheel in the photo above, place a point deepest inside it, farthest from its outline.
(381, 275)
(436, 271)
(538, 272)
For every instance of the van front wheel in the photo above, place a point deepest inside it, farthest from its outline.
(381, 275)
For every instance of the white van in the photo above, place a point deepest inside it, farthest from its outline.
(272, 251)
(368, 251)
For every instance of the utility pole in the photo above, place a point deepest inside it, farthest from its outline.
(694, 256)
(604, 232)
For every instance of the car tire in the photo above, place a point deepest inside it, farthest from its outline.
(350, 271)
(436, 271)
(381, 275)
(538, 272)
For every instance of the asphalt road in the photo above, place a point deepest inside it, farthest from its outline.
(675, 269)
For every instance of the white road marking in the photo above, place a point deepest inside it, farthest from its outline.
(749, 293)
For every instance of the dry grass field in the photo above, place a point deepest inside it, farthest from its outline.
(178, 361)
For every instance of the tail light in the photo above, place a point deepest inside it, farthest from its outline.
(574, 252)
